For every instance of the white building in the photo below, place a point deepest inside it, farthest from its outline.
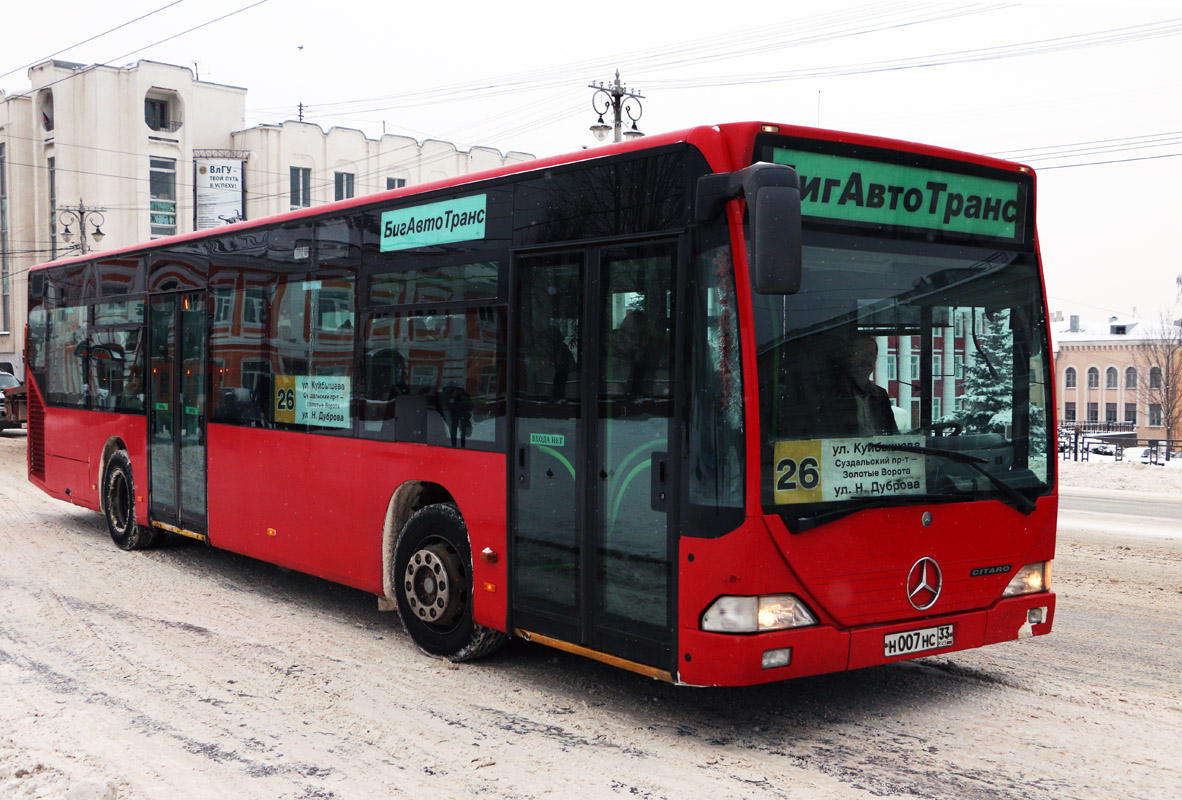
(135, 143)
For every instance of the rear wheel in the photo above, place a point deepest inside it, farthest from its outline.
(433, 586)
(119, 506)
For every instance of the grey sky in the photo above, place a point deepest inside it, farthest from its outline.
(1020, 80)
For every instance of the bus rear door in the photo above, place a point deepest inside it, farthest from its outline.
(176, 419)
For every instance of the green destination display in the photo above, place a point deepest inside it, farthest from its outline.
(458, 220)
(857, 190)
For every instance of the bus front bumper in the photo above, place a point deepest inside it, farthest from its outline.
(717, 659)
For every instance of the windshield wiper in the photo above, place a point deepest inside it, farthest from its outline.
(861, 502)
(1020, 501)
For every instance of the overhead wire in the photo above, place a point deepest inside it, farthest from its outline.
(91, 39)
(720, 44)
(1061, 44)
(820, 28)
(509, 122)
(1105, 37)
(1097, 147)
(91, 67)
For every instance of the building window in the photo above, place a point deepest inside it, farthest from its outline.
(343, 183)
(1131, 413)
(1069, 378)
(46, 109)
(1155, 418)
(156, 113)
(1069, 412)
(301, 187)
(223, 309)
(162, 183)
(958, 361)
(892, 367)
(937, 367)
(395, 183)
(1131, 378)
(1155, 377)
(958, 330)
(1110, 412)
(1093, 412)
(937, 407)
(914, 374)
(162, 111)
(1110, 378)
(1093, 378)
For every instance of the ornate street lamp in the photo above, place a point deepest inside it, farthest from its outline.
(81, 215)
(619, 101)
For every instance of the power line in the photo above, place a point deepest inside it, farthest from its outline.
(1112, 161)
(154, 44)
(91, 39)
(1105, 37)
(821, 28)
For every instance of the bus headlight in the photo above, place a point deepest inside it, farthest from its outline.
(769, 612)
(1030, 579)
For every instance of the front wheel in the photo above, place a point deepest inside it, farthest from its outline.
(433, 586)
(119, 506)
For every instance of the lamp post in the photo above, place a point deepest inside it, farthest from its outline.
(81, 215)
(619, 101)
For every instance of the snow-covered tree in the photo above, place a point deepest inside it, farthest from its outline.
(989, 384)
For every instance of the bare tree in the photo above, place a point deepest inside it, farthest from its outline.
(1159, 362)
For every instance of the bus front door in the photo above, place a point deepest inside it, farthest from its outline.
(176, 422)
(592, 477)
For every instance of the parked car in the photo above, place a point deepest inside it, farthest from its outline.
(1148, 455)
(12, 401)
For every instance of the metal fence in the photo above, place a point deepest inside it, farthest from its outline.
(1078, 440)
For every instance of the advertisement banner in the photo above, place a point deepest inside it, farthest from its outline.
(218, 189)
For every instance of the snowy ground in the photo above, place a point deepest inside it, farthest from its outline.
(183, 673)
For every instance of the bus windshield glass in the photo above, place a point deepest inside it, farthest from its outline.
(903, 371)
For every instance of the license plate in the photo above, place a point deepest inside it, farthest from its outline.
(907, 642)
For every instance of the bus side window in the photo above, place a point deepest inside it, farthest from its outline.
(434, 377)
(385, 378)
(240, 392)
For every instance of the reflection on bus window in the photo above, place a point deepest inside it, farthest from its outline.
(435, 377)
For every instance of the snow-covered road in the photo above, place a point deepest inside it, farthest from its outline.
(182, 673)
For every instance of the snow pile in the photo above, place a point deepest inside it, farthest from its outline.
(1105, 472)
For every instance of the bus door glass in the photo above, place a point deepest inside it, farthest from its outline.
(592, 477)
(176, 451)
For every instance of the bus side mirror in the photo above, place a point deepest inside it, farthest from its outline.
(774, 221)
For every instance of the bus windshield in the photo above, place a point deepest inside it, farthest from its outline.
(903, 371)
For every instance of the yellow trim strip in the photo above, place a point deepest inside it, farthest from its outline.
(180, 532)
(615, 661)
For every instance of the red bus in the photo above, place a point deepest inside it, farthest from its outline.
(724, 406)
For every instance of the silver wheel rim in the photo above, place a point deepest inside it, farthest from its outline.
(431, 585)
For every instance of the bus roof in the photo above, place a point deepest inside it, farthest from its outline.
(732, 143)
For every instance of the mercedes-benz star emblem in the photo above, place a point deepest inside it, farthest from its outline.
(923, 584)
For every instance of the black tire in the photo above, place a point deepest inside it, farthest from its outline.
(119, 506)
(432, 582)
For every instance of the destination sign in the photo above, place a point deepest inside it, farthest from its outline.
(859, 190)
(824, 470)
